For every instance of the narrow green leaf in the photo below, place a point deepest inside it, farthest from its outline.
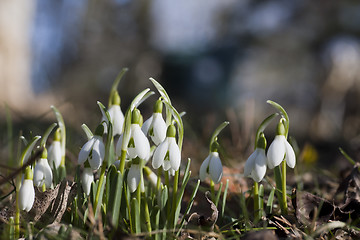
(224, 198)
(188, 208)
(163, 197)
(217, 131)
(116, 186)
(261, 199)
(99, 202)
(46, 134)
(186, 172)
(263, 125)
(104, 111)
(87, 131)
(135, 212)
(270, 201)
(217, 198)
(116, 84)
(146, 96)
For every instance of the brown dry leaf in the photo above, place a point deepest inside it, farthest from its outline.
(260, 235)
(49, 206)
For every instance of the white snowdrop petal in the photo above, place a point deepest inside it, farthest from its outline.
(85, 151)
(26, 195)
(133, 177)
(54, 154)
(276, 151)
(48, 175)
(142, 146)
(203, 168)
(290, 155)
(249, 164)
(87, 178)
(159, 154)
(117, 118)
(174, 154)
(167, 165)
(259, 170)
(118, 146)
(146, 125)
(97, 154)
(215, 168)
(159, 129)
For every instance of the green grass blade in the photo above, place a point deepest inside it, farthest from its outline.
(270, 201)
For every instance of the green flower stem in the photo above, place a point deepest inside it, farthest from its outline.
(167, 183)
(283, 186)
(122, 161)
(101, 180)
(174, 206)
(212, 189)
(158, 182)
(256, 201)
(278, 180)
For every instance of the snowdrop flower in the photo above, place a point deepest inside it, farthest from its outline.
(280, 148)
(138, 144)
(54, 156)
(116, 115)
(167, 154)
(93, 150)
(26, 192)
(155, 126)
(87, 177)
(42, 172)
(134, 175)
(255, 165)
(212, 166)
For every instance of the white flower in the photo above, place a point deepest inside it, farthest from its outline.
(27, 192)
(117, 119)
(167, 154)
(279, 149)
(255, 165)
(42, 173)
(133, 177)
(93, 151)
(211, 166)
(146, 125)
(87, 177)
(54, 155)
(138, 145)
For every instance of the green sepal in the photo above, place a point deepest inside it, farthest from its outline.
(261, 143)
(135, 116)
(171, 131)
(28, 173)
(283, 113)
(280, 128)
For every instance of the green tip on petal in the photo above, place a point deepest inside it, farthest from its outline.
(57, 136)
(280, 129)
(44, 154)
(135, 117)
(28, 173)
(116, 99)
(158, 106)
(171, 131)
(87, 164)
(136, 160)
(214, 146)
(261, 141)
(99, 130)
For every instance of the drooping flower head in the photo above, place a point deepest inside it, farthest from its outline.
(155, 126)
(27, 192)
(167, 154)
(87, 177)
(138, 145)
(212, 166)
(93, 150)
(280, 149)
(116, 115)
(42, 171)
(54, 155)
(255, 165)
(134, 174)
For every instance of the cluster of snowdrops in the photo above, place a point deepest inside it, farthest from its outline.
(139, 162)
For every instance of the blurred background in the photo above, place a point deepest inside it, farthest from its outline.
(218, 60)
